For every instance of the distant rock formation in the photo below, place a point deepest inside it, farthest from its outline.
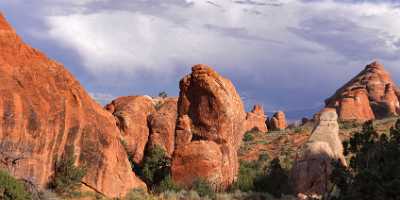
(145, 122)
(371, 94)
(277, 122)
(256, 119)
(131, 115)
(44, 111)
(313, 166)
(209, 131)
(162, 125)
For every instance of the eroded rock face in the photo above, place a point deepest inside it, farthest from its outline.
(278, 121)
(313, 166)
(371, 94)
(162, 125)
(43, 111)
(131, 114)
(209, 130)
(255, 120)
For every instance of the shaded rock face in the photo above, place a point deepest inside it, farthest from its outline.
(162, 125)
(209, 129)
(131, 114)
(312, 168)
(278, 121)
(255, 120)
(371, 94)
(43, 111)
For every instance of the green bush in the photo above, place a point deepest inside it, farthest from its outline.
(167, 185)
(374, 170)
(248, 137)
(156, 166)
(248, 171)
(275, 181)
(11, 189)
(67, 177)
(203, 188)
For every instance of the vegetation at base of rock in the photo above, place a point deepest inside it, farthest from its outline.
(67, 177)
(248, 136)
(12, 189)
(156, 167)
(203, 188)
(263, 176)
(374, 171)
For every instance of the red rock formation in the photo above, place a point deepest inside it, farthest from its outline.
(256, 119)
(370, 94)
(162, 125)
(209, 130)
(278, 121)
(131, 114)
(313, 166)
(43, 111)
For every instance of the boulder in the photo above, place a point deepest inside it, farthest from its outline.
(371, 94)
(162, 125)
(313, 166)
(209, 130)
(255, 120)
(44, 111)
(278, 121)
(131, 114)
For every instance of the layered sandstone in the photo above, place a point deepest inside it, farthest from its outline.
(313, 166)
(371, 94)
(255, 120)
(209, 130)
(131, 114)
(44, 111)
(278, 121)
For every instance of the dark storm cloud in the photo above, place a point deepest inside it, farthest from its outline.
(348, 38)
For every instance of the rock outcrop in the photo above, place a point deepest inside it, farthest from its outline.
(278, 121)
(255, 120)
(313, 166)
(162, 125)
(209, 130)
(44, 111)
(131, 114)
(371, 94)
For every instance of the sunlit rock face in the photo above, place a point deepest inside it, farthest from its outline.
(313, 166)
(371, 94)
(256, 120)
(278, 121)
(44, 111)
(209, 130)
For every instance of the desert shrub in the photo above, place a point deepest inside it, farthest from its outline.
(67, 177)
(156, 166)
(163, 94)
(275, 181)
(248, 171)
(349, 124)
(139, 194)
(203, 188)
(248, 137)
(374, 169)
(167, 184)
(12, 189)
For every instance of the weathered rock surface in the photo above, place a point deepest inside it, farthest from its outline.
(162, 125)
(43, 111)
(209, 130)
(256, 119)
(278, 121)
(131, 114)
(371, 94)
(313, 167)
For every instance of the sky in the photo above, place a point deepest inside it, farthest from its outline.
(284, 54)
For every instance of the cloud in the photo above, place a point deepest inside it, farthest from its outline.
(286, 54)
